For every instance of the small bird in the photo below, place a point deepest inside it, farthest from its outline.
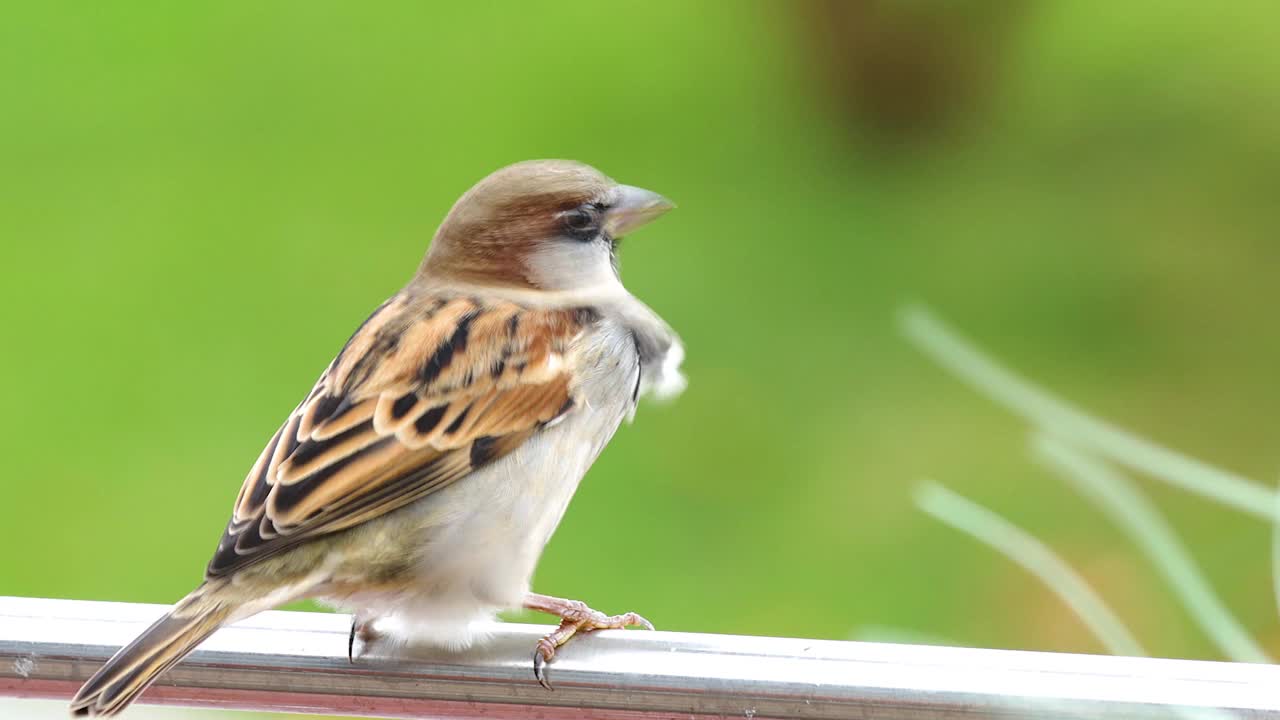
(418, 482)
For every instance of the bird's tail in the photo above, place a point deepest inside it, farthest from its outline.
(159, 648)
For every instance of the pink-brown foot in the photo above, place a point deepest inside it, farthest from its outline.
(575, 617)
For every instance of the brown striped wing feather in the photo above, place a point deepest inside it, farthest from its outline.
(425, 392)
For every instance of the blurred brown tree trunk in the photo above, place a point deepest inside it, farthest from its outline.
(910, 68)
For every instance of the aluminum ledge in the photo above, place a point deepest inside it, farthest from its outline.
(296, 662)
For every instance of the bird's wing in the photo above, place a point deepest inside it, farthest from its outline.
(425, 392)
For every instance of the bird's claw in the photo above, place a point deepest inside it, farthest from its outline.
(362, 627)
(578, 618)
(540, 657)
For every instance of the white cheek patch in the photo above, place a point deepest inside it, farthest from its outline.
(572, 265)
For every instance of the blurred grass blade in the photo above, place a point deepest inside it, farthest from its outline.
(1036, 557)
(1033, 555)
(1126, 505)
(1275, 552)
(1041, 408)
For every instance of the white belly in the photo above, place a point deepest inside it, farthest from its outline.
(480, 538)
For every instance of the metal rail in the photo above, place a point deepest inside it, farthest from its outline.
(296, 662)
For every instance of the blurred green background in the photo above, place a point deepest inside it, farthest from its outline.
(199, 202)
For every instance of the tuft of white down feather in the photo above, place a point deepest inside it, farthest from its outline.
(667, 381)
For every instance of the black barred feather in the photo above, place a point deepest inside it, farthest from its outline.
(428, 390)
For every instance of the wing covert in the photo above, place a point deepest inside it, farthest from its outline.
(427, 390)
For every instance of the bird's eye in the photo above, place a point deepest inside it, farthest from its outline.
(582, 222)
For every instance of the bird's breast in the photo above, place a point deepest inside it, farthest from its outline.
(470, 549)
(490, 527)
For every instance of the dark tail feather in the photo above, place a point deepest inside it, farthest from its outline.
(159, 648)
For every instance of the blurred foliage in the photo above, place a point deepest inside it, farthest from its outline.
(199, 201)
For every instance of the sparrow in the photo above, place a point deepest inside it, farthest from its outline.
(418, 482)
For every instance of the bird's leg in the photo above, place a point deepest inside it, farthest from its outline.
(575, 617)
(361, 625)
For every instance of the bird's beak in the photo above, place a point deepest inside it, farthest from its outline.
(634, 207)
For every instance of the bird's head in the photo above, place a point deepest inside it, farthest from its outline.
(540, 225)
